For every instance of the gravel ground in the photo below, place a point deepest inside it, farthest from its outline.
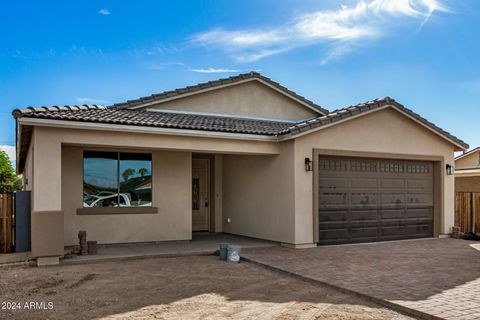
(173, 288)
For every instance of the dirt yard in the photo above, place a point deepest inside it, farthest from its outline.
(173, 288)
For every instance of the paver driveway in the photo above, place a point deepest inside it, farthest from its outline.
(438, 277)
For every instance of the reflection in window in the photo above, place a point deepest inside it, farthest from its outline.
(135, 179)
(112, 179)
(100, 182)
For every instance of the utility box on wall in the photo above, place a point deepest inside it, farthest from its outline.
(22, 221)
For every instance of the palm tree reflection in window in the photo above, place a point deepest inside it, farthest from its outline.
(127, 173)
(143, 171)
(112, 179)
(136, 181)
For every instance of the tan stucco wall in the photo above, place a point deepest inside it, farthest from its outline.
(136, 140)
(47, 172)
(384, 131)
(258, 195)
(252, 99)
(171, 193)
(218, 193)
(469, 162)
(47, 233)
(50, 186)
(467, 184)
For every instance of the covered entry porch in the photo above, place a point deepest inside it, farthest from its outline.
(56, 171)
(201, 244)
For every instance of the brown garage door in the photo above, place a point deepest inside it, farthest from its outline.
(366, 200)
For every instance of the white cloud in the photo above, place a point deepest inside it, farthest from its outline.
(368, 19)
(337, 52)
(214, 70)
(105, 12)
(260, 54)
(82, 52)
(162, 65)
(10, 150)
(86, 100)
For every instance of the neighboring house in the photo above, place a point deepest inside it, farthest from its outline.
(467, 171)
(242, 155)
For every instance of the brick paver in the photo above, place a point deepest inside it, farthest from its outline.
(438, 277)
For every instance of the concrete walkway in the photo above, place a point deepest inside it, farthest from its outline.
(429, 278)
(201, 244)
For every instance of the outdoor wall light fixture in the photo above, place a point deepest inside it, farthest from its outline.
(308, 164)
(450, 169)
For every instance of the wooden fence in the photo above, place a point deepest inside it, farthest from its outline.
(467, 211)
(6, 222)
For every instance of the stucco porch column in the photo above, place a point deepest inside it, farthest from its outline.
(47, 214)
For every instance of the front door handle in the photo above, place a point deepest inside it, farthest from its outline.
(206, 203)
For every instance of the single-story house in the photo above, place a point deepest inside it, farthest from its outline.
(467, 171)
(241, 155)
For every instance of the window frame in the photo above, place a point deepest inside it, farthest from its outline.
(117, 209)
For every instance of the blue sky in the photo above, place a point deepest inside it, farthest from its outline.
(423, 53)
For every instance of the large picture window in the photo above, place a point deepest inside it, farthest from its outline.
(117, 179)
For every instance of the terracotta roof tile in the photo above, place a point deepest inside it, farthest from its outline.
(192, 121)
(102, 114)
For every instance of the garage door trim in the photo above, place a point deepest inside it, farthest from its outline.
(438, 178)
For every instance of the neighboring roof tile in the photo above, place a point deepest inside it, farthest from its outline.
(102, 114)
(467, 153)
(216, 83)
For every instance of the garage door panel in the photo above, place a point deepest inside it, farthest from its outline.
(331, 234)
(332, 165)
(419, 184)
(394, 230)
(333, 199)
(360, 215)
(363, 200)
(420, 199)
(420, 213)
(392, 199)
(391, 183)
(348, 235)
(333, 183)
(364, 184)
(386, 214)
(337, 215)
(367, 232)
(420, 230)
(334, 226)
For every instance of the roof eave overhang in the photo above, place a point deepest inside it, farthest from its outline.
(467, 173)
(466, 154)
(23, 140)
(144, 129)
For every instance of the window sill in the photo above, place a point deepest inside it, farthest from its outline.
(122, 210)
